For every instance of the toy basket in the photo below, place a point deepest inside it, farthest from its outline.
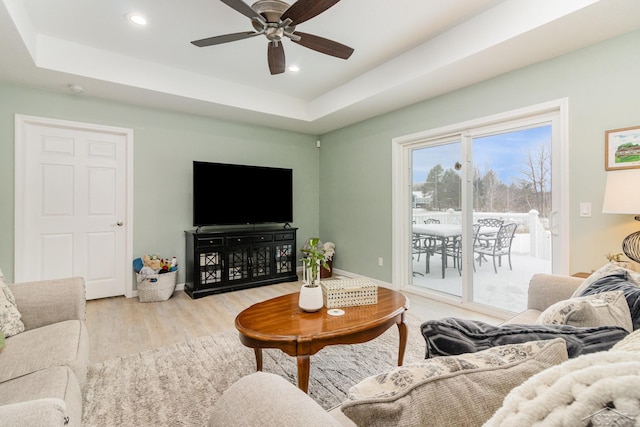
(156, 287)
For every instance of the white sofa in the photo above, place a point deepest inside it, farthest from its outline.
(266, 399)
(43, 369)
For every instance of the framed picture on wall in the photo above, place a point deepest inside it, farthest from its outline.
(622, 148)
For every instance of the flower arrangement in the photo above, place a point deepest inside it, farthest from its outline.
(619, 260)
(329, 251)
(614, 257)
(314, 256)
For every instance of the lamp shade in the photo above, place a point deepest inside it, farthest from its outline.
(622, 192)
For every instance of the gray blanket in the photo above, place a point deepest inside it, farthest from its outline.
(451, 336)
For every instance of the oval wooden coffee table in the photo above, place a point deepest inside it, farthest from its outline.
(280, 323)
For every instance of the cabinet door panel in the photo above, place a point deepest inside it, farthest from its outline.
(285, 260)
(210, 268)
(261, 261)
(238, 264)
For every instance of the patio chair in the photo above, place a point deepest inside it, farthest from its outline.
(498, 246)
(418, 248)
(476, 231)
(491, 223)
(453, 250)
(429, 242)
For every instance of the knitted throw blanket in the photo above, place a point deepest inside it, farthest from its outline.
(573, 393)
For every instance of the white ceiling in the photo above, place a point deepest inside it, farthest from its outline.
(405, 51)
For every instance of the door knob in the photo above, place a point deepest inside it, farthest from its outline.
(119, 223)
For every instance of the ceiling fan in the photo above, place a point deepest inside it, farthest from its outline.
(276, 20)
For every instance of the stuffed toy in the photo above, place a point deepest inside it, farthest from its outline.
(153, 262)
(144, 273)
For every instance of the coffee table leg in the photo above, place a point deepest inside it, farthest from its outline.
(258, 353)
(403, 332)
(304, 363)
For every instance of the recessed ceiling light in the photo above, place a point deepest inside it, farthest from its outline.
(137, 19)
(294, 68)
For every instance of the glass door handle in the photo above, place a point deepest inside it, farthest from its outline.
(553, 223)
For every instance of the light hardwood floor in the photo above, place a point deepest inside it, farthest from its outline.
(119, 326)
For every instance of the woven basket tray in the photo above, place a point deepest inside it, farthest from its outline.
(159, 290)
(349, 292)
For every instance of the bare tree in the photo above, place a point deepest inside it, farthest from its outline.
(490, 184)
(537, 172)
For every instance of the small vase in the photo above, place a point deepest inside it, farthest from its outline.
(311, 297)
(624, 264)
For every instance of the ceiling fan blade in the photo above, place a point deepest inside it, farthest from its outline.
(322, 45)
(303, 10)
(210, 41)
(275, 56)
(243, 8)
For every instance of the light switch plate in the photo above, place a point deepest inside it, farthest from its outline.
(585, 209)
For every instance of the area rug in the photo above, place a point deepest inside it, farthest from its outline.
(176, 385)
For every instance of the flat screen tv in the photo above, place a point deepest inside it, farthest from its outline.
(227, 194)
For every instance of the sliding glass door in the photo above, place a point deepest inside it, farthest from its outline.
(511, 193)
(483, 215)
(437, 217)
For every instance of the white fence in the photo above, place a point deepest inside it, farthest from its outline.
(532, 235)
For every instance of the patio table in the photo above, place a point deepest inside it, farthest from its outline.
(441, 233)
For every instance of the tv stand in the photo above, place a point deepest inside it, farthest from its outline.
(233, 259)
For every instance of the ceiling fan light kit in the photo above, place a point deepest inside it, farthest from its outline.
(276, 20)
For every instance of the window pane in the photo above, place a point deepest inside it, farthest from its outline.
(511, 185)
(436, 217)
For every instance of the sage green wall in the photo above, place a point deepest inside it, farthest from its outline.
(165, 143)
(602, 84)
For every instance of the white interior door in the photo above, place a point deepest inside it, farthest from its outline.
(72, 204)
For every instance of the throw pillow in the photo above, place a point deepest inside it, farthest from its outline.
(6, 290)
(451, 336)
(629, 343)
(455, 391)
(607, 270)
(619, 282)
(10, 323)
(605, 309)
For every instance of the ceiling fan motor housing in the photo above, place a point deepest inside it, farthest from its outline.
(272, 10)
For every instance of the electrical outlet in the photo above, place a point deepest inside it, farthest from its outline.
(380, 262)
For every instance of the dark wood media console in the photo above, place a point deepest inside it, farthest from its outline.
(229, 260)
